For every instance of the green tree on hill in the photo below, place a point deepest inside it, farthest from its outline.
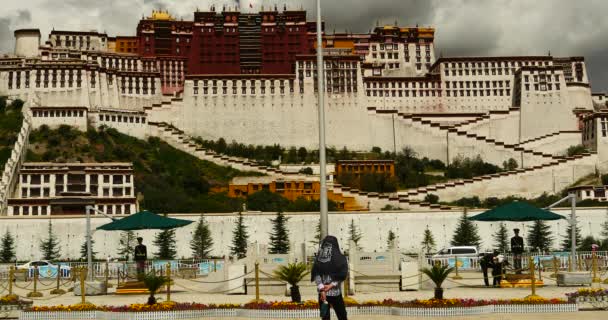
(501, 238)
(466, 233)
(201, 243)
(49, 247)
(428, 241)
(279, 237)
(239, 239)
(354, 233)
(7, 249)
(83, 250)
(567, 238)
(317, 238)
(539, 236)
(165, 245)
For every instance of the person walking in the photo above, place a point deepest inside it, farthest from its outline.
(328, 272)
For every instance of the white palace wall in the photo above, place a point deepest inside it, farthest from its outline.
(408, 226)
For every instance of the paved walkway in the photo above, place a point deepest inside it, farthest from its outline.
(462, 289)
(581, 315)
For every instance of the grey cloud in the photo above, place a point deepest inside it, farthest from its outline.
(7, 26)
(463, 27)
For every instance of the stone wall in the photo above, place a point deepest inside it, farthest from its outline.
(408, 226)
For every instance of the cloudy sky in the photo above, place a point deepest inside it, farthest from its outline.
(464, 27)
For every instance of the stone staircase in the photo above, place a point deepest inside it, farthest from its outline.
(550, 135)
(473, 139)
(457, 189)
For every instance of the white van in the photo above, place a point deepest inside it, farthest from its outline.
(468, 251)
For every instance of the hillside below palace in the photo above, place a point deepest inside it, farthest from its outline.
(250, 77)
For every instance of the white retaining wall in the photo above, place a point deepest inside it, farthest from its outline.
(408, 226)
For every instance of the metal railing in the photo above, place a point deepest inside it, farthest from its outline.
(199, 267)
(583, 260)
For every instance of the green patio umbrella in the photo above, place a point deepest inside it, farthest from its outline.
(516, 211)
(145, 220)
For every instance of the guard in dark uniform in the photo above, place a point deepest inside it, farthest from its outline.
(517, 248)
(141, 255)
(486, 261)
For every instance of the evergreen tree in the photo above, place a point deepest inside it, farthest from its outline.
(126, 244)
(501, 238)
(279, 237)
(317, 238)
(83, 249)
(604, 233)
(428, 241)
(539, 236)
(567, 242)
(239, 239)
(50, 246)
(466, 233)
(605, 228)
(391, 239)
(201, 243)
(165, 243)
(7, 252)
(354, 234)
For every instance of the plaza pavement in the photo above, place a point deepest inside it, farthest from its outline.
(464, 289)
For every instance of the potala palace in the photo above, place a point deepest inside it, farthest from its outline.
(251, 78)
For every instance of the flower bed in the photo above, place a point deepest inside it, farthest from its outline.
(307, 309)
(588, 295)
(13, 302)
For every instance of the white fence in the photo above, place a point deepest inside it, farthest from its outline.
(299, 314)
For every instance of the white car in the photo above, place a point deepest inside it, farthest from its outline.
(466, 251)
(41, 263)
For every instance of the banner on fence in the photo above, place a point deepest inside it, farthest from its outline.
(463, 263)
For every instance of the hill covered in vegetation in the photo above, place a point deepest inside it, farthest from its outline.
(169, 179)
(11, 119)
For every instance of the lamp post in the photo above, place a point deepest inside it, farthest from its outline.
(572, 198)
(321, 93)
(88, 210)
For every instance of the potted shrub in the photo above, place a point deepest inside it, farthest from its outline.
(438, 273)
(153, 283)
(293, 273)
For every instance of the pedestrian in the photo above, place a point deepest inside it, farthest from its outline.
(328, 272)
(486, 261)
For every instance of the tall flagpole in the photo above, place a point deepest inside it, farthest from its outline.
(320, 94)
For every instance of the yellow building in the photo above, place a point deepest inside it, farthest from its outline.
(290, 189)
(126, 44)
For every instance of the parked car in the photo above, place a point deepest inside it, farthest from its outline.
(466, 251)
(45, 267)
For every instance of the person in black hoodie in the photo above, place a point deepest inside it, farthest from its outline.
(486, 261)
(328, 272)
